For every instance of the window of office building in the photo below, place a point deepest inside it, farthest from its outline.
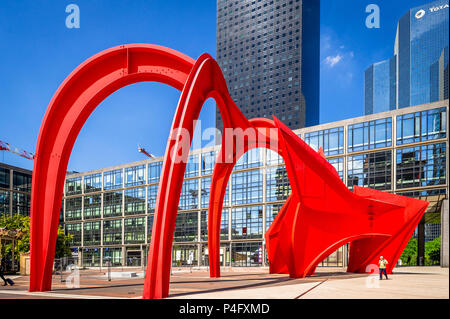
(205, 189)
(272, 212)
(421, 165)
(152, 192)
(247, 187)
(92, 206)
(21, 204)
(75, 231)
(246, 254)
(91, 233)
(73, 208)
(336, 259)
(149, 228)
(338, 164)
(421, 126)
(93, 183)
(135, 201)
(223, 225)
(370, 135)
(331, 140)
(134, 230)
(189, 195)
(91, 257)
(184, 255)
(186, 227)
(4, 177)
(253, 158)
(191, 166)
(112, 204)
(113, 179)
(273, 158)
(371, 170)
(135, 175)
(73, 186)
(246, 222)
(208, 161)
(113, 255)
(112, 232)
(277, 184)
(21, 182)
(4, 203)
(154, 172)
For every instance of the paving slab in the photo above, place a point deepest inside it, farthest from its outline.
(407, 282)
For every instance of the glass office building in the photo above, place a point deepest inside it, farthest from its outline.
(421, 54)
(110, 211)
(380, 87)
(15, 190)
(269, 52)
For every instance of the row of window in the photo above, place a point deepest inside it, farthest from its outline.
(20, 181)
(411, 128)
(246, 223)
(418, 166)
(20, 203)
(238, 254)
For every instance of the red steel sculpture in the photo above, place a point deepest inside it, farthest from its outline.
(319, 216)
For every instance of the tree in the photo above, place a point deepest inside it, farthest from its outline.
(433, 251)
(62, 243)
(19, 222)
(409, 255)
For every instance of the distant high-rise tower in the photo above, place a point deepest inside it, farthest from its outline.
(269, 52)
(380, 87)
(421, 55)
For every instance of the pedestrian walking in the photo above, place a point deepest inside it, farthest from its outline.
(2, 272)
(382, 266)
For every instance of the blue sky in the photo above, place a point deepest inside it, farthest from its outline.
(37, 52)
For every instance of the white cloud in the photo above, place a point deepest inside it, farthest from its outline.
(333, 60)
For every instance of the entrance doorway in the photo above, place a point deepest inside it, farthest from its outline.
(134, 258)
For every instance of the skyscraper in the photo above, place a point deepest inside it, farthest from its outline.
(421, 54)
(380, 87)
(269, 52)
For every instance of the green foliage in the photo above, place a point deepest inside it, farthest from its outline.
(433, 251)
(409, 255)
(63, 244)
(16, 222)
(19, 222)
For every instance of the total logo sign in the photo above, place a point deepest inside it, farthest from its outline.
(420, 14)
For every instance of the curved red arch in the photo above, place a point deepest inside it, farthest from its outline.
(71, 105)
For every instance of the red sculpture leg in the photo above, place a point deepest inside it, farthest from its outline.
(73, 102)
(205, 81)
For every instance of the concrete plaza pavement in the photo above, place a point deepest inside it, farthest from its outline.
(327, 283)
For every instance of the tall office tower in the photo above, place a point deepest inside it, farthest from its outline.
(421, 53)
(423, 35)
(380, 87)
(269, 52)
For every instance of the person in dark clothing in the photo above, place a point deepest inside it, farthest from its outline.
(2, 272)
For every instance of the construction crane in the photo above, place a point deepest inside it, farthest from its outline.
(6, 147)
(142, 150)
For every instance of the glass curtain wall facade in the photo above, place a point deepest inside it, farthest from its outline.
(380, 87)
(15, 190)
(420, 58)
(401, 151)
(269, 52)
